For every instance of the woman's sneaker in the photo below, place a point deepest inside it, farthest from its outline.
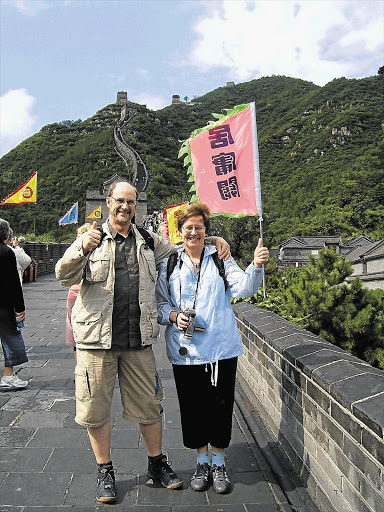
(200, 477)
(221, 482)
(12, 382)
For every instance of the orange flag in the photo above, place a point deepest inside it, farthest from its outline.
(27, 193)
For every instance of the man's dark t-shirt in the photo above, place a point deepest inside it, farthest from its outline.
(126, 310)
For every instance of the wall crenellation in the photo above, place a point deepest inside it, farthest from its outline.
(323, 406)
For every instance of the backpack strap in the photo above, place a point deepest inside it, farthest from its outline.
(149, 242)
(171, 264)
(172, 261)
(220, 267)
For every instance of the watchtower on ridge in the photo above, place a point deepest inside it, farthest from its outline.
(122, 98)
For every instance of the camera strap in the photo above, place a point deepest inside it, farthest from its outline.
(198, 279)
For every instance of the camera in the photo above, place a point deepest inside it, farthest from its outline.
(191, 314)
(188, 332)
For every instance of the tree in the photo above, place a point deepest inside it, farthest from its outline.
(69, 123)
(347, 315)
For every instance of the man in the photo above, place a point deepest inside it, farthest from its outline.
(115, 323)
(11, 309)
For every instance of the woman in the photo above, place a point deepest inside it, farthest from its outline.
(73, 293)
(204, 365)
(12, 310)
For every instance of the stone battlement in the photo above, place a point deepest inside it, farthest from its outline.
(323, 407)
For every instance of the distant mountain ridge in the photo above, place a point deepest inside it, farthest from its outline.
(321, 157)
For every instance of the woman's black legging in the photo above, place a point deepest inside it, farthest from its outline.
(206, 410)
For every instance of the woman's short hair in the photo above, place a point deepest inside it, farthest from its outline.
(193, 209)
(4, 230)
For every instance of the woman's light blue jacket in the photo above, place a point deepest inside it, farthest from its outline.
(221, 338)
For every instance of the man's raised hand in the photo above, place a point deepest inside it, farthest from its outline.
(91, 238)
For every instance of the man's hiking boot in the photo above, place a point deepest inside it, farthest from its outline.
(160, 469)
(106, 490)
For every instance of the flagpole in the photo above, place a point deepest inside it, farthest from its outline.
(261, 236)
(34, 223)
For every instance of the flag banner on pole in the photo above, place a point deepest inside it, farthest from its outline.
(223, 163)
(27, 193)
(164, 230)
(71, 216)
(95, 214)
(171, 214)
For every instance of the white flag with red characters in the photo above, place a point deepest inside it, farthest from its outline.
(223, 163)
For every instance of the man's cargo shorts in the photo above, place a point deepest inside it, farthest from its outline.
(140, 387)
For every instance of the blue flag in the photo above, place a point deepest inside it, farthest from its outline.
(71, 216)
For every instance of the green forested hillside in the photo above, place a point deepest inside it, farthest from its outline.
(321, 159)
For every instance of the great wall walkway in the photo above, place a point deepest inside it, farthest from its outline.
(46, 460)
(138, 171)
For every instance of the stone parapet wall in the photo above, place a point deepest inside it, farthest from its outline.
(46, 255)
(322, 406)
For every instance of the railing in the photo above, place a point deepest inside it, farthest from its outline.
(323, 408)
(44, 257)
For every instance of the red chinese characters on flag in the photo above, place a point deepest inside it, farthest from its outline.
(225, 163)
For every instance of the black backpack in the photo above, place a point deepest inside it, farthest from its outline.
(172, 260)
(149, 242)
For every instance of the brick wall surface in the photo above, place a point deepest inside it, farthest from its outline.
(45, 256)
(322, 405)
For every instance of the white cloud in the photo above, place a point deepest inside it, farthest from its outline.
(16, 119)
(144, 73)
(316, 40)
(33, 7)
(152, 101)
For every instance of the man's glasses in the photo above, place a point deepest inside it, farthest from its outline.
(198, 229)
(130, 202)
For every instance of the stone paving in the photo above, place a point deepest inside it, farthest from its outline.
(46, 460)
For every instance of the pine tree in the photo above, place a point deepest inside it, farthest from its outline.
(348, 315)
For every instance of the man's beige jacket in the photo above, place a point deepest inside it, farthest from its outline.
(92, 312)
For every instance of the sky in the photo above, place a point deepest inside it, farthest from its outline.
(67, 59)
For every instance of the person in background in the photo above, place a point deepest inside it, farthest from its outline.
(23, 245)
(22, 259)
(114, 322)
(12, 308)
(204, 359)
(73, 292)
